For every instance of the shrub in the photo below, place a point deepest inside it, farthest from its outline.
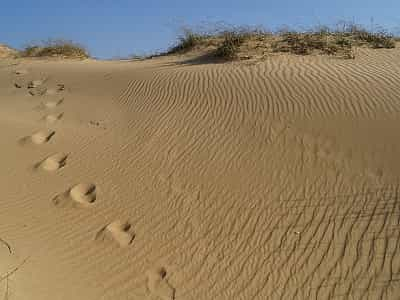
(230, 42)
(31, 51)
(326, 41)
(374, 39)
(302, 43)
(230, 45)
(382, 40)
(60, 48)
(187, 41)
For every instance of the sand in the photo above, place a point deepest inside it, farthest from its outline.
(174, 179)
(6, 52)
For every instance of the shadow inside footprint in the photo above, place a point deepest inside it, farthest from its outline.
(117, 231)
(53, 162)
(51, 118)
(34, 84)
(38, 138)
(83, 195)
(38, 91)
(158, 285)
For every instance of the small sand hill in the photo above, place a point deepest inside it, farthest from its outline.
(6, 51)
(172, 178)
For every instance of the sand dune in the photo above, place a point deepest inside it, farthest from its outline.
(162, 179)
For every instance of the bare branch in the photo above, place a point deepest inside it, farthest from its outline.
(6, 244)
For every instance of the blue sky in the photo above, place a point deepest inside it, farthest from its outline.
(111, 28)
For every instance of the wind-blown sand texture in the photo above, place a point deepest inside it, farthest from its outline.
(166, 179)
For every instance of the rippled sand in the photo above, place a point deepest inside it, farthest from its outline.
(166, 179)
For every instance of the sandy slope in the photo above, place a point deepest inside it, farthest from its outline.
(169, 180)
(6, 52)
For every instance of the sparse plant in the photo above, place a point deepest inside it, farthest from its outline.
(301, 43)
(230, 45)
(30, 51)
(231, 42)
(375, 39)
(187, 41)
(332, 42)
(383, 40)
(55, 47)
(137, 56)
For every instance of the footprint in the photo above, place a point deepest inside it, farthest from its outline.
(120, 232)
(158, 284)
(35, 83)
(52, 104)
(49, 104)
(83, 194)
(55, 91)
(38, 138)
(60, 87)
(37, 91)
(53, 162)
(51, 118)
(52, 92)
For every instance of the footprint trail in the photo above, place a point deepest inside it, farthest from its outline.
(53, 162)
(38, 138)
(119, 232)
(158, 284)
(81, 195)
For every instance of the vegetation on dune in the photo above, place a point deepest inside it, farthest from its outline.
(332, 41)
(55, 48)
(230, 45)
(235, 42)
(226, 42)
(304, 43)
(187, 41)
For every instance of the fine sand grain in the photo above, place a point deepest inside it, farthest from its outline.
(169, 179)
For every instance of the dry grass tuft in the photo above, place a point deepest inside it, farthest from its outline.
(55, 48)
(230, 45)
(339, 41)
(187, 41)
(322, 42)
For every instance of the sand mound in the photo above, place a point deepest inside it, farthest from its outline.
(171, 179)
(6, 51)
